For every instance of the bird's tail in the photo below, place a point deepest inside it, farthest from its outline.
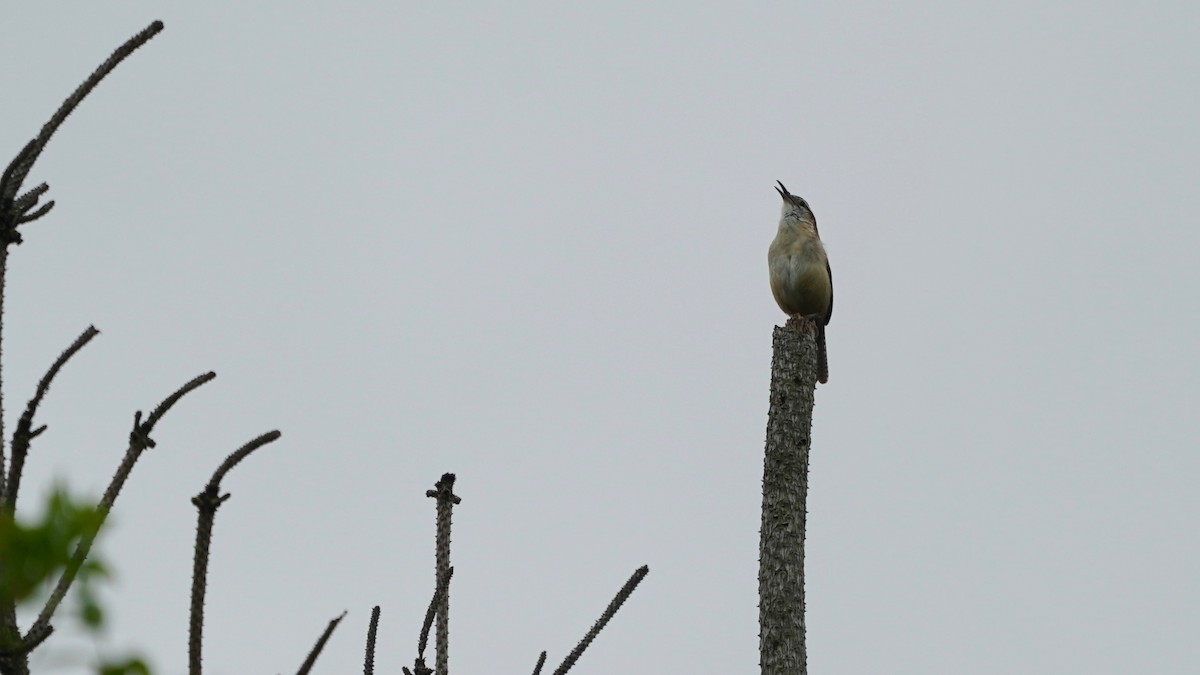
(822, 359)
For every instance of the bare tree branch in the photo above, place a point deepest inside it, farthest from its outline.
(443, 491)
(369, 663)
(14, 210)
(139, 440)
(537, 670)
(168, 402)
(15, 660)
(620, 598)
(206, 503)
(316, 650)
(24, 432)
(27, 200)
(33, 640)
(10, 183)
(30, 217)
(440, 592)
(21, 206)
(14, 175)
(785, 491)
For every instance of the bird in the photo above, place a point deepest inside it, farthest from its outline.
(801, 279)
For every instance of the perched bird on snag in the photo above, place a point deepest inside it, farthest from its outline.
(800, 276)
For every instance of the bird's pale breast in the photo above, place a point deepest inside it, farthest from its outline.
(799, 278)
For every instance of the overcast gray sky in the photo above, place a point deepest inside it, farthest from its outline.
(526, 243)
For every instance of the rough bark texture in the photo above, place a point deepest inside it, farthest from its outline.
(785, 490)
(443, 491)
(207, 504)
(13, 661)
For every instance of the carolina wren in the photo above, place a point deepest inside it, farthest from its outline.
(800, 276)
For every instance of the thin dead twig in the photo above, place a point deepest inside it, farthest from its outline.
(617, 601)
(369, 663)
(139, 441)
(18, 169)
(316, 650)
(25, 433)
(207, 502)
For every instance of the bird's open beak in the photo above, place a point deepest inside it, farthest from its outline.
(783, 191)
